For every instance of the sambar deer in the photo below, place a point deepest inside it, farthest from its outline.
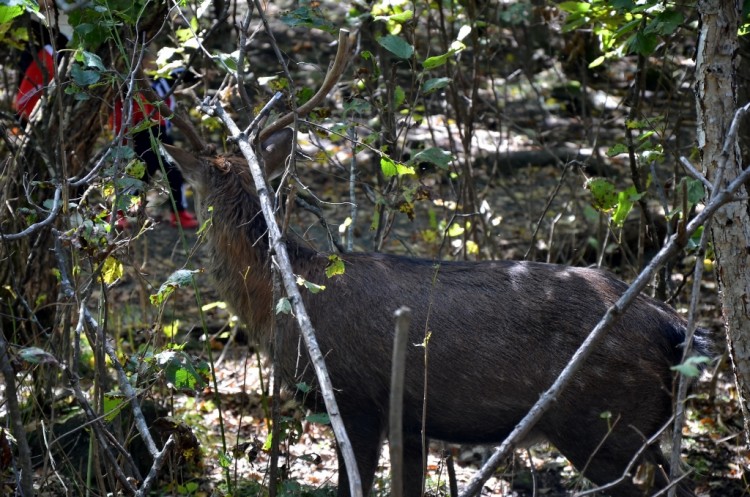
(501, 332)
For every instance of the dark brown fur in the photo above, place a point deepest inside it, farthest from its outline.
(501, 332)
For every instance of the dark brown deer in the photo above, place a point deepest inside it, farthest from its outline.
(501, 332)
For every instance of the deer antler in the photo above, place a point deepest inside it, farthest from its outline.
(333, 76)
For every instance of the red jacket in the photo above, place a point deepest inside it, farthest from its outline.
(142, 109)
(33, 82)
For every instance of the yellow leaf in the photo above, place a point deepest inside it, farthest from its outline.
(111, 271)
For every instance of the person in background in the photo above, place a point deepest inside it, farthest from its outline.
(33, 78)
(38, 73)
(144, 143)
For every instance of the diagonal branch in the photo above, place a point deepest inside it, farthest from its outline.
(281, 257)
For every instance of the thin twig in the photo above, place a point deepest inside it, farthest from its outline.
(695, 173)
(682, 387)
(631, 464)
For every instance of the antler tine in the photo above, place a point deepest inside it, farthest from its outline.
(333, 76)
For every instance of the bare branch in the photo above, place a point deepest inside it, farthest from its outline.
(159, 461)
(56, 205)
(626, 472)
(692, 171)
(278, 247)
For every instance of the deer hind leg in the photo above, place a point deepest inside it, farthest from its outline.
(603, 458)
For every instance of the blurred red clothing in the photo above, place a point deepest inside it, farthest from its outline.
(34, 80)
(142, 109)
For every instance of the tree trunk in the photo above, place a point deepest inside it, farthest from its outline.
(716, 65)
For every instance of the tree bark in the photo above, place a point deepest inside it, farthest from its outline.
(716, 66)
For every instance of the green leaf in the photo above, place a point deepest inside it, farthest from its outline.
(180, 278)
(186, 36)
(434, 84)
(433, 155)
(388, 167)
(84, 77)
(113, 404)
(308, 17)
(391, 168)
(320, 418)
(122, 153)
(309, 285)
(603, 193)
(136, 168)
(225, 461)
(625, 200)
(227, 61)
(644, 44)
(436, 61)
(397, 46)
(335, 266)
(268, 442)
(695, 190)
(455, 230)
(597, 61)
(303, 387)
(91, 60)
(691, 367)
(400, 17)
(665, 23)
(623, 5)
(127, 185)
(358, 106)
(283, 306)
(398, 96)
(170, 330)
(618, 149)
(695, 240)
(575, 7)
(9, 11)
(180, 372)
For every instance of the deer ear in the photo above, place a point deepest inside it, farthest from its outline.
(191, 166)
(275, 150)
